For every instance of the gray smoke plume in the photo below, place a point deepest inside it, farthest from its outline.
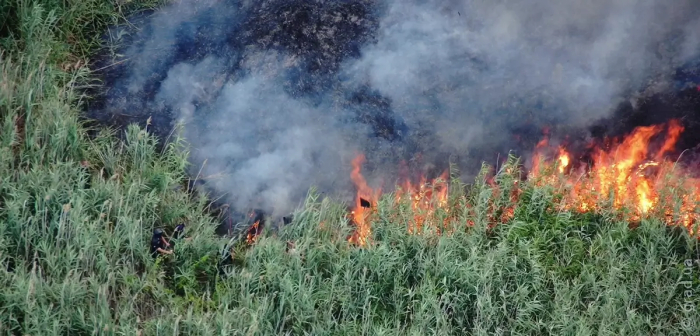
(278, 96)
(260, 145)
(473, 69)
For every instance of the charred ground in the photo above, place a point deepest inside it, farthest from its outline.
(321, 35)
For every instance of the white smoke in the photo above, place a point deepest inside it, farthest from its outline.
(460, 74)
(454, 64)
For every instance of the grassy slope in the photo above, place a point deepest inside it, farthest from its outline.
(74, 239)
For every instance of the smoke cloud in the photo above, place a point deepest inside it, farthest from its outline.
(278, 96)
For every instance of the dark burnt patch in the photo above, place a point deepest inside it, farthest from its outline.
(375, 110)
(679, 100)
(319, 34)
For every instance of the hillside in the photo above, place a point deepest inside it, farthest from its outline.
(77, 212)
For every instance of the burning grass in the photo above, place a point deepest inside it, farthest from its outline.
(630, 176)
(498, 255)
(627, 178)
(76, 215)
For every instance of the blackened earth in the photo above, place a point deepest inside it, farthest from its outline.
(321, 34)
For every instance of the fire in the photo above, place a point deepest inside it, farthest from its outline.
(674, 132)
(366, 194)
(563, 160)
(631, 176)
(253, 233)
(645, 199)
(424, 199)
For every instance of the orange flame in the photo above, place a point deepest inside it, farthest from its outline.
(628, 177)
(362, 230)
(252, 233)
(625, 176)
(563, 160)
(424, 198)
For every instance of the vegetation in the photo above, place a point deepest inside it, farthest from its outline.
(77, 212)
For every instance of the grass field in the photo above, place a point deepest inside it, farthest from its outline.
(76, 216)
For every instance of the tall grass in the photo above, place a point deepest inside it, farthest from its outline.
(540, 273)
(76, 214)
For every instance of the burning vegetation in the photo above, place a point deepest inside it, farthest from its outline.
(77, 211)
(257, 217)
(632, 176)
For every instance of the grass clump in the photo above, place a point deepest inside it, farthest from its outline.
(76, 214)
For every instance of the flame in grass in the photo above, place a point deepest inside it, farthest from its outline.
(360, 212)
(424, 199)
(563, 160)
(427, 202)
(253, 233)
(627, 177)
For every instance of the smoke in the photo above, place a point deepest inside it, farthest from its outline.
(277, 96)
(474, 69)
(260, 145)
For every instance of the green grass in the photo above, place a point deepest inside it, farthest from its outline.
(74, 237)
